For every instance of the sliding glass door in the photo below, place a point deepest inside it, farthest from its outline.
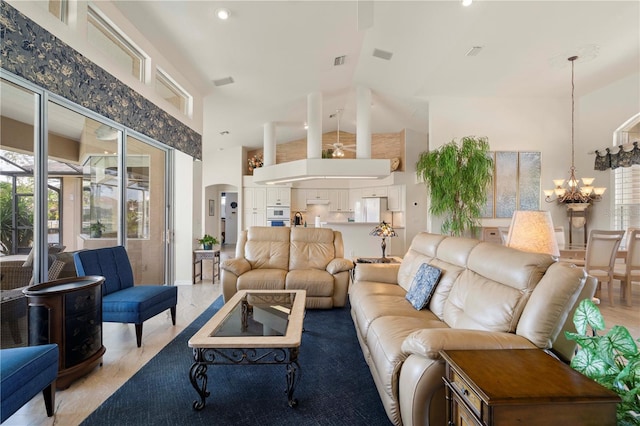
(71, 180)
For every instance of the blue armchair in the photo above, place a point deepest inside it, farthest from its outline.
(121, 300)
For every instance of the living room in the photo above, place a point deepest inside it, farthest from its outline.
(538, 119)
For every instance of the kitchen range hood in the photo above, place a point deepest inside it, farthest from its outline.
(322, 168)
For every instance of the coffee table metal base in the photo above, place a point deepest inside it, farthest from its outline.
(217, 356)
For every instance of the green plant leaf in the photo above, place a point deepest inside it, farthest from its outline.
(589, 363)
(587, 314)
(619, 339)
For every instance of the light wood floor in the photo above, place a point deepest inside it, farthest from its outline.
(123, 358)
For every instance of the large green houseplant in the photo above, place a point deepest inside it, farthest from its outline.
(611, 359)
(457, 176)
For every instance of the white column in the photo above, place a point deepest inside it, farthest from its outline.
(363, 122)
(269, 144)
(314, 122)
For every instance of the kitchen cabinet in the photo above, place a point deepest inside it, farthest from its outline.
(339, 200)
(378, 191)
(317, 194)
(255, 199)
(355, 199)
(255, 207)
(255, 218)
(396, 198)
(298, 200)
(278, 196)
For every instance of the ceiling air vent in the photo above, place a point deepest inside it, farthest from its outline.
(382, 54)
(339, 60)
(474, 51)
(223, 81)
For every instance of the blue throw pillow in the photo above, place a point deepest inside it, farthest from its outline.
(423, 285)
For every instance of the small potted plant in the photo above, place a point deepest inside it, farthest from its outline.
(95, 230)
(208, 241)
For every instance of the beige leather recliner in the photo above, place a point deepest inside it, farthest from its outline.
(489, 297)
(310, 259)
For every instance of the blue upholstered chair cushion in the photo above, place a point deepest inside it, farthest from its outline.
(24, 372)
(136, 304)
(110, 262)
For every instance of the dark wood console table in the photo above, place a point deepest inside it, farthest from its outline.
(68, 312)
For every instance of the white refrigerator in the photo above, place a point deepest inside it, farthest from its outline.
(372, 210)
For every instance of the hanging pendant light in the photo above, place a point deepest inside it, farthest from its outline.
(573, 192)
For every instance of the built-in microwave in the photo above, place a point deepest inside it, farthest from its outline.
(278, 213)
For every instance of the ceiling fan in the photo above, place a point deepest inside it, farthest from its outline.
(338, 147)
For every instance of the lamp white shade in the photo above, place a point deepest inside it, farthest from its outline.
(533, 231)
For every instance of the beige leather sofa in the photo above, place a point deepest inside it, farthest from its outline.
(310, 259)
(488, 297)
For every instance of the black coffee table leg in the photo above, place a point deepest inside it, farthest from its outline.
(292, 376)
(198, 377)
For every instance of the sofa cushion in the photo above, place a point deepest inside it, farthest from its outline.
(488, 295)
(315, 281)
(311, 249)
(267, 247)
(375, 306)
(424, 283)
(384, 340)
(262, 279)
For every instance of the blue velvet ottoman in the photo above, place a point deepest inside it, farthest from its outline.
(23, 373)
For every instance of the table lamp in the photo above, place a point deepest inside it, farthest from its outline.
(383, 230)
(533, 231)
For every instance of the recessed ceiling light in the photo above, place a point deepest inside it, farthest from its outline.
(223, 14)
(467, 2)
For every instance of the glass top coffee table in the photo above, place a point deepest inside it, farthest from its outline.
(253, 327)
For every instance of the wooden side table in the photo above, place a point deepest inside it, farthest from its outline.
(199, 256)
(522, 386)
(68, 312)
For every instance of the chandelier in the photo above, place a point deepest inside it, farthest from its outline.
(572, 192)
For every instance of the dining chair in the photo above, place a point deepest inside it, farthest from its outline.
(600, 257)
(629, 270)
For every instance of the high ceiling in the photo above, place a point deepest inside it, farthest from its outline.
(278, 52)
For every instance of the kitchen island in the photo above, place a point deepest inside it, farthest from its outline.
(358, 242)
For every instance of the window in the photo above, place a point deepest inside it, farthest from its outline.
(57, 8)
(172, 92)
(107, 38)
(627, 197)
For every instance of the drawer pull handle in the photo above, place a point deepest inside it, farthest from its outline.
(465, 392)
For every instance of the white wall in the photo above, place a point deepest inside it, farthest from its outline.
(598, 115)
(183, 190)
(543, 125)
(510, 125)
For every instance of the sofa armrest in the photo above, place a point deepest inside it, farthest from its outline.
(379, 272)
(338, 265)
(237, 266)
(429, 342)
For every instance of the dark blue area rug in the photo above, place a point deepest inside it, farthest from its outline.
(335, 386)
